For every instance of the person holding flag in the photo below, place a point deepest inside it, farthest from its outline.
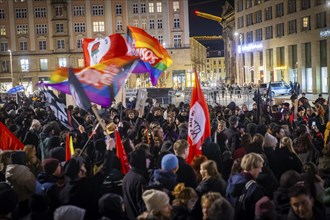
(199, 128)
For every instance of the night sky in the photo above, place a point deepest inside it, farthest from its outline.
(203, 27)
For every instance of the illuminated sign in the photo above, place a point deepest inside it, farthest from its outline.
(249, 47)
(325, 33)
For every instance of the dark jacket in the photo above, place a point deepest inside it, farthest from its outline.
(186, 174)
(181, 212)
(212, 184)
(282, 202)
(282, 160)
(163, 180)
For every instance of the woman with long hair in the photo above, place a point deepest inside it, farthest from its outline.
(306, 150)
(211, 179)
(184, 202)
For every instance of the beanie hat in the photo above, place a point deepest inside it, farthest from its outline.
(155, 200)
(8, 199)
(18, 157)
(72, 167)
(265, 208)
(169, 162)
(57, 153)
(50, 165)
(137, 159)
(68, 212)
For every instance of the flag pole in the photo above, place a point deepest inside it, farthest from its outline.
(89, 138)
(100, 121)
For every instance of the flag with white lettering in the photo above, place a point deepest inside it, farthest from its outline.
(58, 107)
(199, 121)
(100, 82)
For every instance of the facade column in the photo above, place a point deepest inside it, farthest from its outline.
(316, 73)
(301, 67)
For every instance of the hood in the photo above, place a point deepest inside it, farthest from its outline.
(161, 177)
(14, 171)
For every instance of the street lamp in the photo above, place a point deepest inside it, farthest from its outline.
(11, 68)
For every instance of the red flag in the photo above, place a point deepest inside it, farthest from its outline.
(8, 141)
(199, 121)
(121, 154)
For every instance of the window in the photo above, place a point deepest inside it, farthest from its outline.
(280, 30)
(249, 37)
(249, 19)
(177, 40)
(306, 23)
(79, 27)
(43, 64)
(5, 66)
(160, 39)
(144, 24)
(62, 62)
(280, 56)
(23, 46)
(79, 43)
(305, 4)
(60, 44)
(136, 23)
(143, 8)
(160, 24)
(118, 9)
(259, 34)
(269, 32)
(78, 11)
(248, 4)
(2, 14)
(268, 13)
(291, 6)
(152, 24)
(98, 26)
(21, 13)
(292, 27)
(59, 28)
(240, 22)
(319, 2)
(159, 7)
(98, 10)
(176, 6)
(41, 28)
(151, 7)
(4, 47)
(22, 29)
(81, 63)
(261, 58)
(24, 65)
(239, 5)
(40, 12)
(3, 30)
(135, 8)
(279, 10)
(119, 25)
(258, 16)
(176, 22)
(42, 45)
(321, 20)
(59, 11)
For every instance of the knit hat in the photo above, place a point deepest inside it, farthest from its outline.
(155, 200)
(8, 199)
(68, 212)
(265, 208)
(72, 167)
(57, 153)
(169, 162)
(50, 165)
(18, 157)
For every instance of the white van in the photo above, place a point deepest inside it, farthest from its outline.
(277, 88)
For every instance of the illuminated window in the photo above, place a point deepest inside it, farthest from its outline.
(43, 64)
(3, 30)
(159, 7)
(62, 62)
(176, 6)
(24, 65)
(81, 63)
(151, 7)
(306, 23)
(98, 26)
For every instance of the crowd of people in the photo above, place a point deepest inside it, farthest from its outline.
(268, 162)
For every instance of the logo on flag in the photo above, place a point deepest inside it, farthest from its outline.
(196, 124)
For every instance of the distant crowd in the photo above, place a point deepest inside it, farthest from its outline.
(268, 162)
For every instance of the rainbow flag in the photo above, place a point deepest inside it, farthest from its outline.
(154, 58)
(100, 82)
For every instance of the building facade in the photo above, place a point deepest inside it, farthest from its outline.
(43, 35)
(284, 40)
(216, 68)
